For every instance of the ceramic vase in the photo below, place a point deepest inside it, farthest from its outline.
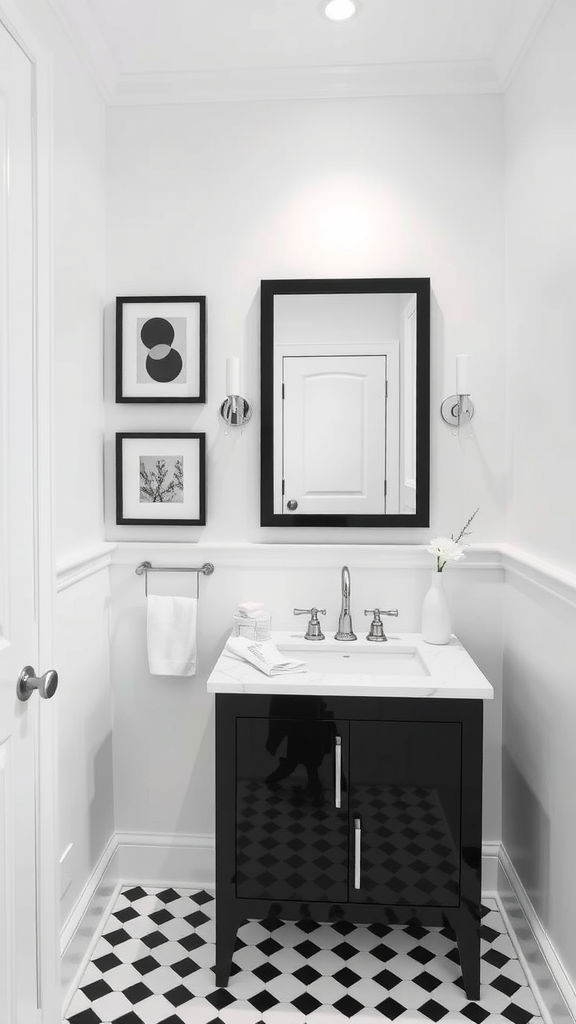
(436, 619)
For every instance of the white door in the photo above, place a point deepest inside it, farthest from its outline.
(334, 434)
(19, 531)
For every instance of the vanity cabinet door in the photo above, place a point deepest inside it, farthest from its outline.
(405, 813)
(291, 835)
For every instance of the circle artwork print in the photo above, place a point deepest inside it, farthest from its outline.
(157, 331)
(164, 369)
(163, 363)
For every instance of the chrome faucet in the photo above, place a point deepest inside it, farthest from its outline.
(345, 620)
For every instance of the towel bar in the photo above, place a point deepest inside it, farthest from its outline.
(145, 567)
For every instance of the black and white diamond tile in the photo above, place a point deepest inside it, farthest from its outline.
(154, 965)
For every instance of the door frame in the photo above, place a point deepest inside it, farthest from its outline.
(48, 930)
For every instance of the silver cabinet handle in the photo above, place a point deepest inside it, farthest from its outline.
(357, 851)
(338, 773)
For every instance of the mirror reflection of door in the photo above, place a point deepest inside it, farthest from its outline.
(336, 434)
(345, 402)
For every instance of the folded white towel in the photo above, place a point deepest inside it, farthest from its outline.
(171, 628)
(251, 609)
(264, 655)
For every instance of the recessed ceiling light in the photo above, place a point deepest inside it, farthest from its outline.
(339, 10)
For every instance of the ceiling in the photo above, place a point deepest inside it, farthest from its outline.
(149, 51)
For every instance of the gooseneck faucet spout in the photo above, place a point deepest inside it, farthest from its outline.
(345, 620)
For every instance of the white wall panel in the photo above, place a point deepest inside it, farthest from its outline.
(86, 793)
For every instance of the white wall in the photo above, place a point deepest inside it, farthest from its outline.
(539, 756)
(541, 298)
(211, 198)
(164, 727)
(81, 648)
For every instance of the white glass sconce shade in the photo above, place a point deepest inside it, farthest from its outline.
(235, 410)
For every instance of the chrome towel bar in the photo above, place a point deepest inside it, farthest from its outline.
(145, 567)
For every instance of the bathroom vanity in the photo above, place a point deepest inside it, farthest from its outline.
(351, 792)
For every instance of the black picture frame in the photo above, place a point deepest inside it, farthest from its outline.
(189, 343)
(420, 286)
(132, 457)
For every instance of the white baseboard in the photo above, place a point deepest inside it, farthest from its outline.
(82, 928)
(188, 862)
(161, 859)
(557, 994)
(490, 854)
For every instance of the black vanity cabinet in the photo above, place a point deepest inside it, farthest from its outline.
(349, 808)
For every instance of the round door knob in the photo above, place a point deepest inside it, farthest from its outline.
(292, 505)
(28, 682)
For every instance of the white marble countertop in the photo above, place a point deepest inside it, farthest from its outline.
(443, 671)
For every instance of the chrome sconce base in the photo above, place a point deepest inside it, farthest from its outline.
(457, 410)
(235, 411)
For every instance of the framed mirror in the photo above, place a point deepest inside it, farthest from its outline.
(345, 400)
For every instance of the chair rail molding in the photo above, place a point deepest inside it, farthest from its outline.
(310, 556)
(77, 567)
(547, 577)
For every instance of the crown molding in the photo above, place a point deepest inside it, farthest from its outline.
(89, 43)
(349, 81)
(516, 42)
(332, 82)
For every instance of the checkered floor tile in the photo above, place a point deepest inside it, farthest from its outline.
(154, 965)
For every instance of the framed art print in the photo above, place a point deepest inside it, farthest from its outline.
(160, 349)
(160, 479)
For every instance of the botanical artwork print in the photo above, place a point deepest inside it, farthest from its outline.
(161, 479)
(161, 355)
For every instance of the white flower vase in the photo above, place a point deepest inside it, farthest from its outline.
(436, 618)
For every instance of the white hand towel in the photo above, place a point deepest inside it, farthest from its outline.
(171, 628)
(264, 655)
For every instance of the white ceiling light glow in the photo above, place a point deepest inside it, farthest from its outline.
(339, 10)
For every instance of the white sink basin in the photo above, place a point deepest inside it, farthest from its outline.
(402, 666)
(382, 661)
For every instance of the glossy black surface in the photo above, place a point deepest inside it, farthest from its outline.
(412, 773)
(405, 792)
(291, 839)
(420, 286)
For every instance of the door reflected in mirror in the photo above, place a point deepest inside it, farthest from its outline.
(345, 402)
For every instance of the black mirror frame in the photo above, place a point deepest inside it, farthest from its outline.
(268, 289)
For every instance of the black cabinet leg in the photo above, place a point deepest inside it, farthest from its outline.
(226, 927)
(467, 929)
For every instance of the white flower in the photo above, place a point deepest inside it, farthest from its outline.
(446, 550)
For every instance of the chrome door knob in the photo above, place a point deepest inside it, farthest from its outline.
(28, 682)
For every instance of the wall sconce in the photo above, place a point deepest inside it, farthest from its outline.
(458, 409)
(235, 410)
